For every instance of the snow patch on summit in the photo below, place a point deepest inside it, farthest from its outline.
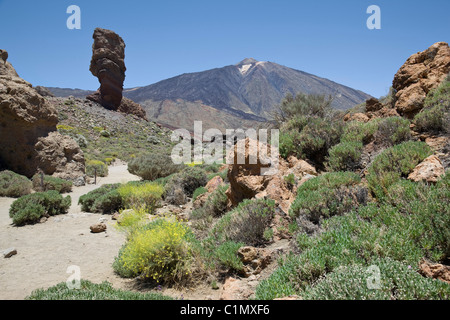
(244, 69)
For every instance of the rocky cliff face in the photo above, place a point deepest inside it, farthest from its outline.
(421, 73)
(108, 65)
(27, 124)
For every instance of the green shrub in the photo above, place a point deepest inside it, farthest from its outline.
(93, 165)
(99, 200)
(431, 119)
(303, 105)
(214, 206)
(92, 291)
(108, 203)
(246, 223)
(357, 131)
(414, 225)
(397, 282)
(428, 205)
(51, 183)
(14, 185)
(435, 116)
(31, 208)
(183, 184)
(317, 137)
(199, 191)
(327, 195)
(394, 130)
(344, 156)
(226, 254)
(394, 163)
(153, 166)
(159, 251)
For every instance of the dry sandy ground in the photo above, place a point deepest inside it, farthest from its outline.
(46, 250)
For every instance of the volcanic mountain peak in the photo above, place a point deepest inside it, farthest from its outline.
(247, 64)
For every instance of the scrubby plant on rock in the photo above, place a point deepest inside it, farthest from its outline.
(246, 223)
(435, 116)
(31, 208)
(393, 164)
(14, 185)
(183, 184)
(398, 282)
(330, 194)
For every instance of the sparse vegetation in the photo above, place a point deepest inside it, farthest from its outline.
(51, 183)
(92, 291)
(96, 167)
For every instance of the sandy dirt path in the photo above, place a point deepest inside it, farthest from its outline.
(46, 250)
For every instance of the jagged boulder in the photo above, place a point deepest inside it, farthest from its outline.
(29, 140)
(247, 178)
(108, 65)
(421, 73)
(429, 170)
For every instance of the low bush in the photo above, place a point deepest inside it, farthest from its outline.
(51, 183)
(393, 164)
(246, 223)
(357, 131)
(14, 185)
(344, 156)
(413, 225)
(431, 119)
(91, 291)
(214, 207)
(31, 208)
(105, 199)
(183, 184)
(393, 130)
(397, 281)
(435, 116)
(327, 195)
(197, 192)
(143, 195)
(226, 255)
(96, 166)
(159, 251)
(153, 166)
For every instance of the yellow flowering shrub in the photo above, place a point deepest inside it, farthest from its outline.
(138, 195)
(159, 250)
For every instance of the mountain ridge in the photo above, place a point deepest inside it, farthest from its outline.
(246, 93)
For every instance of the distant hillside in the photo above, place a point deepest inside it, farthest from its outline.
(66, 92)
(235, 96)
(249, 88)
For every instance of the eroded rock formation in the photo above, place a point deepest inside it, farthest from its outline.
(108, 65)
(421, 73)
(29, 140)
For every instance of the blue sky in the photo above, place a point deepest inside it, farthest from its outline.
(167, 38)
